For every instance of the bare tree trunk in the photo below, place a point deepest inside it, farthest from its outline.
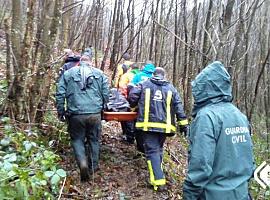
(226, 24)
(98, 7)
(246, 58)
(206, 46)
(3, 15)
(43, 78)
(191, 58)
(9, 70)
(158, 33)
(175, 52)
(138, 54)
(162, 61)
(132, 29)
(237, 52)
(16, 97)
(121, 28)
(66, 20)
(109, 37)
(113, 64)
(153, 32)
(257, 86)
(16, 32)
(267, 100)
(140, 36)
(185, 59)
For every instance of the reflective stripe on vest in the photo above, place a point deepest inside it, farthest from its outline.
(146, 109)
(146, 124)
(168, 112)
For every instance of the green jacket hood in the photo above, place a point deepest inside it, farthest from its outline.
(212, 85)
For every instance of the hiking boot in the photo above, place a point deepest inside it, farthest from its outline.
(128, 140)
(162, 188)
(84, 171)
(139, 155)
(94, 170)
(158, 188)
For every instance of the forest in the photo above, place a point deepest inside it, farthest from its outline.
(181, 36)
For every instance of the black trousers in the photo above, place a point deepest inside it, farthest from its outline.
(128, 128)
(139, 140)
(85, 133)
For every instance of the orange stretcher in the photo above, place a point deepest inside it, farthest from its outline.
(119, 116)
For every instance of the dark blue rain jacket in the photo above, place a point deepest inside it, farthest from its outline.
(158, 104)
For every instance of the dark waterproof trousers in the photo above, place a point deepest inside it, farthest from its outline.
(139, 140)
(85, 133)
(153, 146)
(128, 128)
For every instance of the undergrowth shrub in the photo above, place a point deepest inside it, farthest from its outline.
(28, 168)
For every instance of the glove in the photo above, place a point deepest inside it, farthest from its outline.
(133, 109)
(183, 126)
(61, 117)
(184, 129)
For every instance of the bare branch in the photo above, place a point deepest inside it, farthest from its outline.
(176, 36)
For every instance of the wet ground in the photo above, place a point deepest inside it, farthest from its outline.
(123, 172)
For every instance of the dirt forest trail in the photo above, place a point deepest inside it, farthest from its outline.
(122, 172)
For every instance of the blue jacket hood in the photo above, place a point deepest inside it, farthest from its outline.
(149, 68)
(158, 81)
(212, 85)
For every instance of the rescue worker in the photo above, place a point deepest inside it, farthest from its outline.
(88, 51)
(70, 59)
(220, 161)
(122, 69)
(146, 73)
(158, 105)
(85, 90)
(125, 80)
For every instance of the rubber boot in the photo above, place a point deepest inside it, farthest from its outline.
(84, 171)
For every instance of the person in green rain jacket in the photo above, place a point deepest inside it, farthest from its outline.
(81, 95)
(220, 161)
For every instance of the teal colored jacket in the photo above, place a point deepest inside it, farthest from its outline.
(84, 88)
(220, 161)
(145, 74)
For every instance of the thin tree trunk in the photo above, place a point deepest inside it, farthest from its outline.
(237, 52)
(43, 80)
(153, 32)
(132, 29)
(205, 36)
(257, 85)
(9, 70)
(175, 52)
(226, 19)
(109, 37)
(16, 97)
(191, 58)
(157, 45)
(246, 59)
(185, 59)
(98, 7)
(113, 64)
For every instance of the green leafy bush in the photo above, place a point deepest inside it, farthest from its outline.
(28, 170)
